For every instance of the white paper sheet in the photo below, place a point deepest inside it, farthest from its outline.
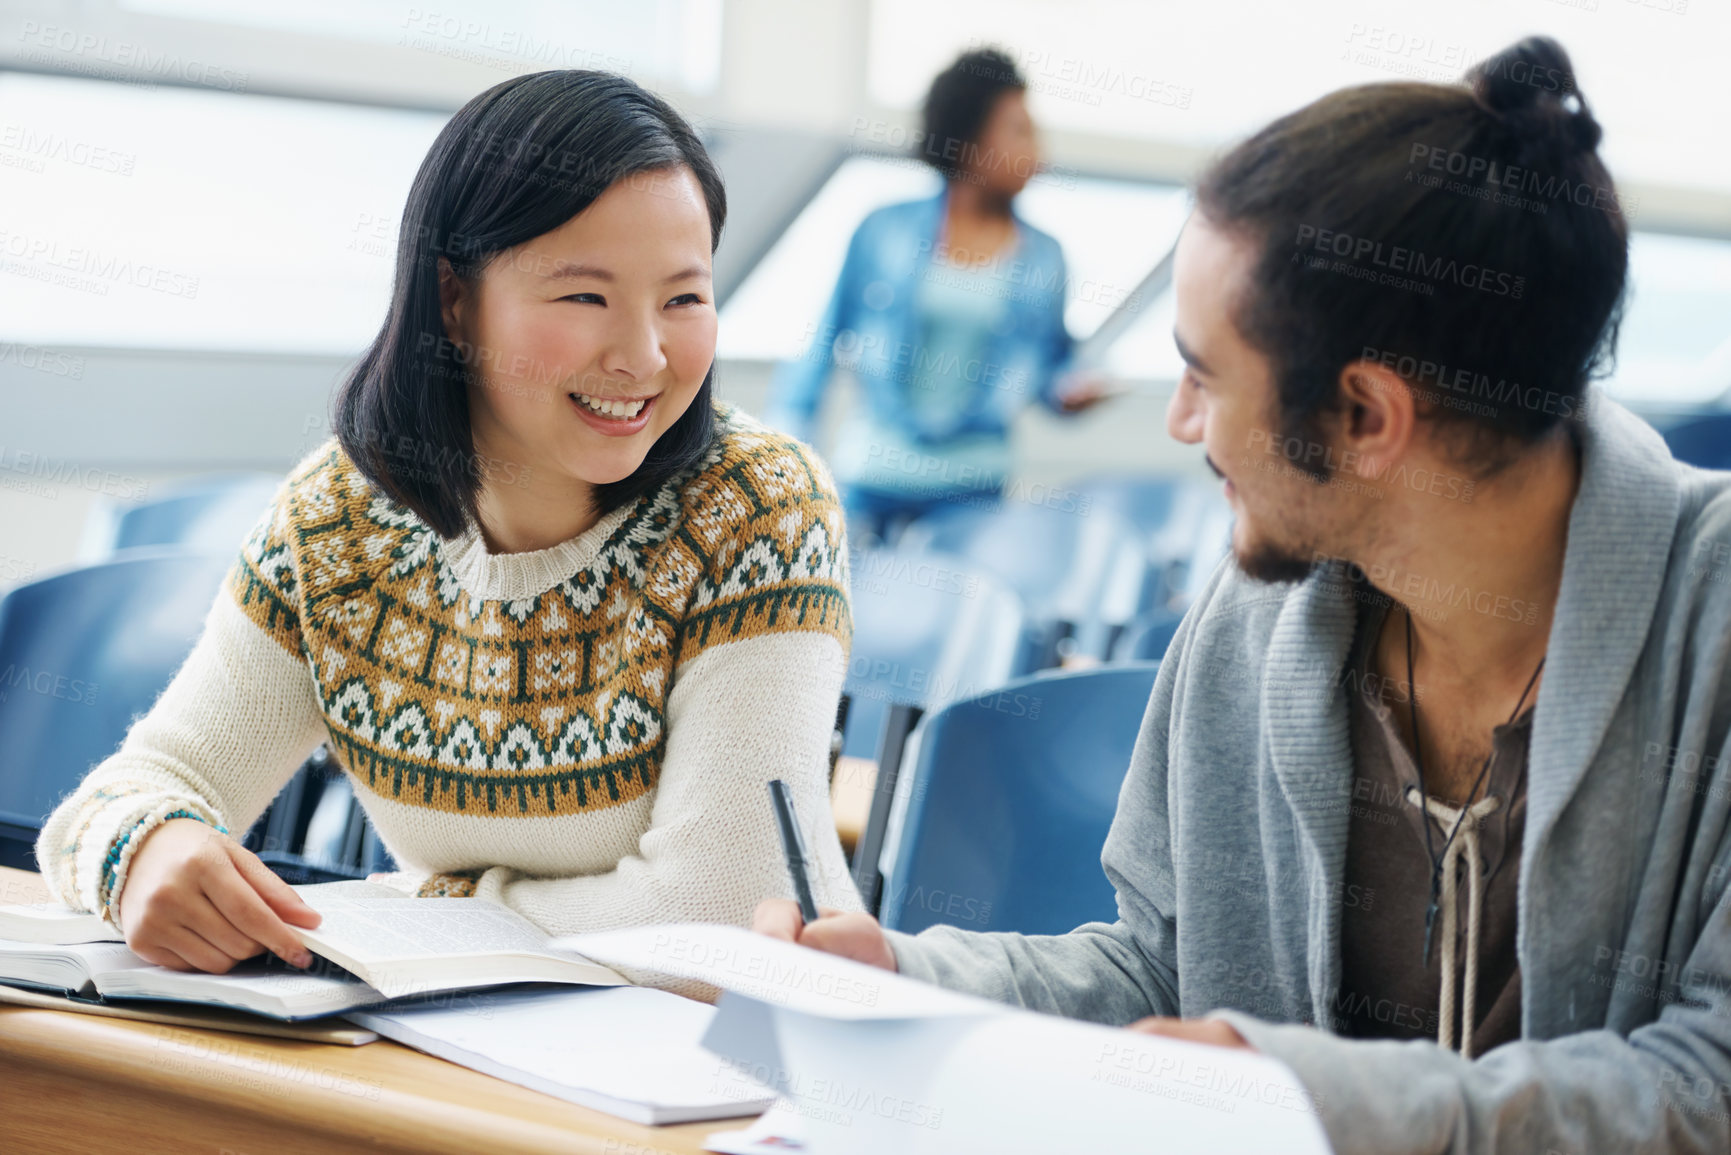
(775, 1132)
(773, 971)
(1014, 1083)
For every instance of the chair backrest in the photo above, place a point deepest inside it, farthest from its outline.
(1704, 440)
(82, 653)
(1213, 543)
(1069, 566)
(207, 513)
(315, 830)
(927, 629)
(1146, 638)
(1171, 514)
(1006, 808)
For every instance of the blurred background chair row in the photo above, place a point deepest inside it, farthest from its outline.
(1001, 662)
(85, 652)
(1702, 439)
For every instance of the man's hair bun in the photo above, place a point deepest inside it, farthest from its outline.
(1531, 86)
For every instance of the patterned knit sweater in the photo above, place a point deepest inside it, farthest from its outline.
(583, 733)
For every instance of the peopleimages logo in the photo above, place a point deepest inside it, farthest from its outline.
(1487, 174)
(1470, 383)
(1399, 259)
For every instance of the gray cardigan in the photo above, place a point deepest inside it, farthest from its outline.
(1229, 847)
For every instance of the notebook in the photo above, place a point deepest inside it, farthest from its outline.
(628, 1051)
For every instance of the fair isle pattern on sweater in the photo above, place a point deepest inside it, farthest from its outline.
(552, 703)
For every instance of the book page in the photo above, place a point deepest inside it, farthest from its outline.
(65, 967)
(101, 958)
(383, 928)
(53, 922)
(252, 982)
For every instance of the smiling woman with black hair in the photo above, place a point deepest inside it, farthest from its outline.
(558, 614)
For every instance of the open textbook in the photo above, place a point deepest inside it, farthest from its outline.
(385, 945)
(109, 970)
(410, 946)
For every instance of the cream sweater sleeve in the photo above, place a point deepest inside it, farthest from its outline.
(738, 715)
(240, 715)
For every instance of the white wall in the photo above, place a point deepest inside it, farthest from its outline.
(795, 65)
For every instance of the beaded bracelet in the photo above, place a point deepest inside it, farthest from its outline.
(112, 862)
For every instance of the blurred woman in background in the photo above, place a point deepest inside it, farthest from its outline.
(950, 311)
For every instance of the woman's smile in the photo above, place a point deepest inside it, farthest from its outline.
(615, 417)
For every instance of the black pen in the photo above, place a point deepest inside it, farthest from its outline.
(794, 843)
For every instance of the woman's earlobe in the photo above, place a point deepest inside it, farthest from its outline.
(453, 294)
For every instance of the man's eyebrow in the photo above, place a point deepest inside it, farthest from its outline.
(1189, 355)
(567, 270)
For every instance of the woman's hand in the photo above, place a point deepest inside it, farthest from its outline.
(196, 900)
(852, 935)
(1084, 390)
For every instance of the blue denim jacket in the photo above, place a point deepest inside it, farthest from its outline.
(870, 327)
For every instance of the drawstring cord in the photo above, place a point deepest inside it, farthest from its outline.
(1465, 821)
(1461, 823)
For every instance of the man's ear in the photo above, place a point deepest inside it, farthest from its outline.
(1380, 416)
(454, 296)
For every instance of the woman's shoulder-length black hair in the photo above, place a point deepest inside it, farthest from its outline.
(959, 103)
(516, 162)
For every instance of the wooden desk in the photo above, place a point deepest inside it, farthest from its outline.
(80, 1083)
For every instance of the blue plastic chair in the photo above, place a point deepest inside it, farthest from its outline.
(1170, 513)
(926, 629)
(339, 841)
(215, 512)
(1080, 575)
(315, 830)
(1704, 440)
(1008, 804)
(1147, 502)
(1147, 638)
(1213, 543)
(82, 653)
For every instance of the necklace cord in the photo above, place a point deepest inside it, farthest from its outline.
(1418, 761)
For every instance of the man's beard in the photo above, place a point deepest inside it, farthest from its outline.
(1267, 562)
